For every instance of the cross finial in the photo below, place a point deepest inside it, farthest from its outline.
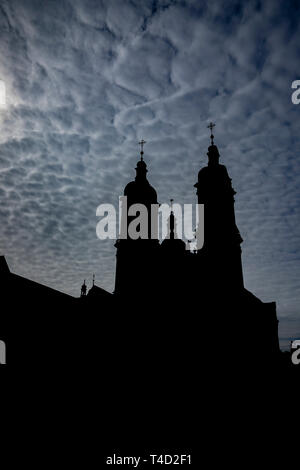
(210, 126)
(93, 279)
(171, 200)
(142, 143)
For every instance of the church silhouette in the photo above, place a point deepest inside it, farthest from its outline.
(172, 309)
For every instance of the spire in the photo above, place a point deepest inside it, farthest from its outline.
(142, 143)
(210, 126)
(141, 167)
(172, 242)
(83, 289)
(213, 152)
(172, 222)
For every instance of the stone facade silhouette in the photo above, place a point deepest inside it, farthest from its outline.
(169, 303)
(207, 283)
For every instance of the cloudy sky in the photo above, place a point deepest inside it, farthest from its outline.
(86, 79)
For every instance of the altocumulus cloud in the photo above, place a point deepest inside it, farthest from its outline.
(85, 80)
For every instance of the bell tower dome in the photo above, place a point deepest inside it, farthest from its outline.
(136, 257)
(222, 239)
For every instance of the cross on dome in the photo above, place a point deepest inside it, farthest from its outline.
(210, 126)
(142, 143)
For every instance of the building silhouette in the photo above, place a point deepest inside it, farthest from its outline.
(171, 308)
(207, 283)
